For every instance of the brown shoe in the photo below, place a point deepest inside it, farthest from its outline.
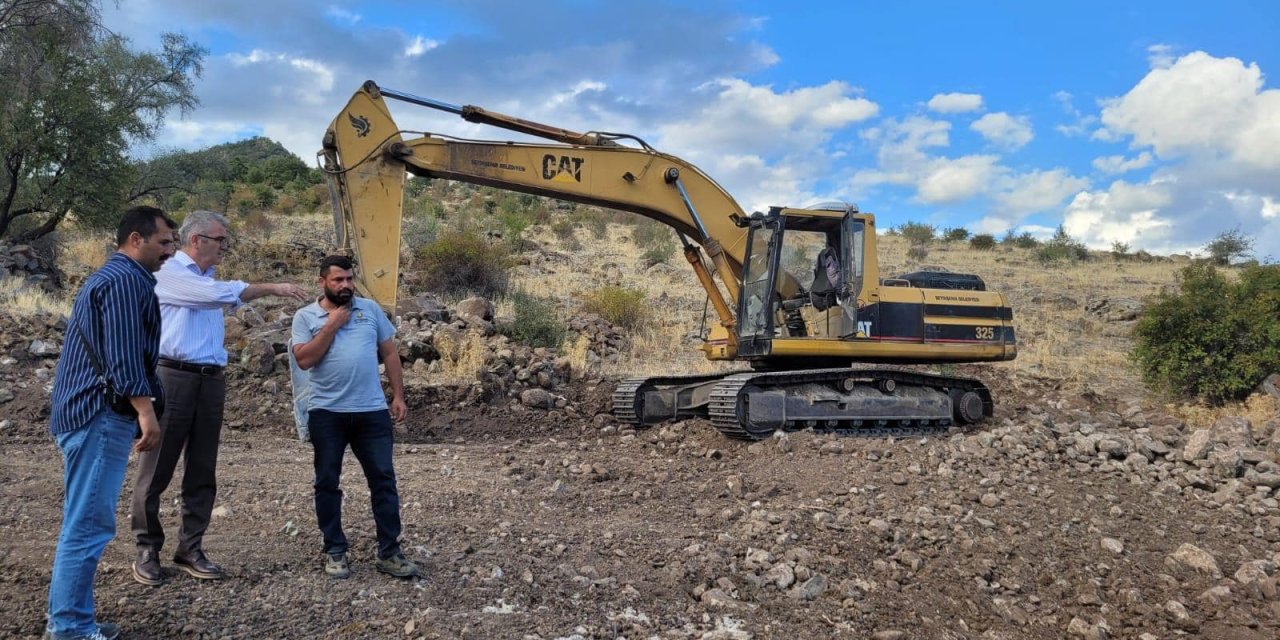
(196, 564)
(146, 569)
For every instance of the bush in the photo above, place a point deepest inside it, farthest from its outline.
(1211, 339)
(461, 263)
(1022, 240)
(917, 252)
(983, 242)
(563, 228)
(535, 323)
(657, 254)
(619, 305)
(917, 232)
(648, 233)
(957, 234)
(1061, 247)
(1120, 250)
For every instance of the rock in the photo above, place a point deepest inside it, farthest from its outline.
(1113, 545)
(477, 308)
(5, 395)
(1254, 571)
(781, 575)
(1198, 445)
(889, 634)
(811, 589)
(718, 598)
(539, 398)
(221, 512)
(1271, 385)
(258, 357)
(1196, 559)
(44, 349)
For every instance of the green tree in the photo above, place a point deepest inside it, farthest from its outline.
(75, 98)
(1211, 338)
(1228, 246)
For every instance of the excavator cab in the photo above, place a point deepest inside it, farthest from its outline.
(803, 277)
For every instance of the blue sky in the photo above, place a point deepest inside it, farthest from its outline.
(1155, 124)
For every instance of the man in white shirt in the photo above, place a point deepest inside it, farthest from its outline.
(192, 357)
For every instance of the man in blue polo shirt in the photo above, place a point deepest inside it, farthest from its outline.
(113, 338)
(339, 340)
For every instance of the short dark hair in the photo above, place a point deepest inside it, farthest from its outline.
(141, 219)
(341, 262)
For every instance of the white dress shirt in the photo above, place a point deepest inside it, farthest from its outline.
(191, 304)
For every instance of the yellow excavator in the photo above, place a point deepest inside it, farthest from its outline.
(800, 326)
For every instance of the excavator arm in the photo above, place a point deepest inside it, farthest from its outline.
(366, 157)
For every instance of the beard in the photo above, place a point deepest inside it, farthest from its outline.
(341, 297)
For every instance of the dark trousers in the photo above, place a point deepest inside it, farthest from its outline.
(369, 435)
(190, 428)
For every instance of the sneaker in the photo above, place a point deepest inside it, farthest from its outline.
(106, 631)
(336, 566)
(397, 565)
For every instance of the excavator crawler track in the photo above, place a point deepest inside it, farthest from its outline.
(629, 397)
(730, 409)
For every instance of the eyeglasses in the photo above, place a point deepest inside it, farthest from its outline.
(225, 241)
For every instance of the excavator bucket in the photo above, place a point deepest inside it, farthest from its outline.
(368, 192)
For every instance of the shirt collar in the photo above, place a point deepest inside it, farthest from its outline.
(120, 255)
(181, 257)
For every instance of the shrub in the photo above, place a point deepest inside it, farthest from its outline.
(917, 252)
(1211, 339)
(1229, 245)
(619, 305)
(957, 234)
(1022, 240)
(1120, 250)
(462, 262)
(535, 322)
(563, 228)
(917, 232)
(648, 233)
(659, 253)
(1061, 247)
(983, 242)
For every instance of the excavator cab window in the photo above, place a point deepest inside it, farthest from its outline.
(757, 304)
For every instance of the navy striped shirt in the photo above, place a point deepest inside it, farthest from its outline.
(118, 312)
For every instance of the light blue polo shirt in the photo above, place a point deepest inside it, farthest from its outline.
(346, 379)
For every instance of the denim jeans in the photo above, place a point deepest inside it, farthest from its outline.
(369, 435)
(94, 457)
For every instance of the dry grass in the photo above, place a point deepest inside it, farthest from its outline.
(23, 301)
(462, 358)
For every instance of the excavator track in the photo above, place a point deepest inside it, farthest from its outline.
(731, 404)
(629, 397)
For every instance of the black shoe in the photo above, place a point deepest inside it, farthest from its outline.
(196, 564)
(146, 569)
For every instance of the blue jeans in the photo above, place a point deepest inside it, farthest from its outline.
(369, 435)
(94, 458)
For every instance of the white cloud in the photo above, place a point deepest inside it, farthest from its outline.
(1080, 123)
(741, 118)
(343, 15)
(1202, 107)
(1125, 213)
(948, 180)
(1036, 191)
(320, 76)
(419, 46)
(1010, 132)
(1160, 56)
(955, 102)
(1121, 164)
(1270, 208)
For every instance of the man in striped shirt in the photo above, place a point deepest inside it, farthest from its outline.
(192, 357)
(119, 317)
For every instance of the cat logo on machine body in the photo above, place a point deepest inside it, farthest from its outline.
(562, 169)
(361, 125)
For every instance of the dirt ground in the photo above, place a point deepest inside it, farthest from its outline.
(535, 524)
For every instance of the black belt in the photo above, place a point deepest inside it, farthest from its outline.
(191, 367)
